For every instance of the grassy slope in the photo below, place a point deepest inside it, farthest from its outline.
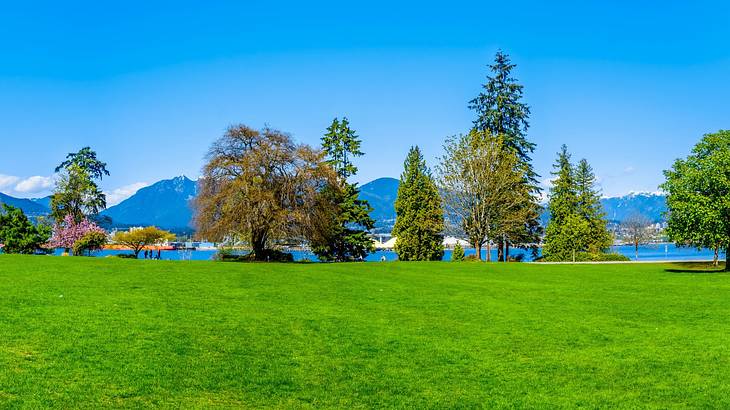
(93, 332)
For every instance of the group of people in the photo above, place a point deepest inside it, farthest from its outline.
(150, 254)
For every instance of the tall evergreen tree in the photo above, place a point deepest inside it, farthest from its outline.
(420, 217)
(341, 144)
(346, 238)
(563, 194)
(589, 207)
(502, 113)
(577, 223)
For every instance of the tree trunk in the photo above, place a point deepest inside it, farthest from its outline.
(636, 249)
(506, 251)
(727, 259)
(478, 248)
(500, 251)
(716, 257)
(258, 246)
(489, 251)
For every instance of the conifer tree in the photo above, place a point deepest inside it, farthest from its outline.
(563, 194)
(420, 219)
(589, 207)
(502, 113)
(346, 237)
(577, 223)
(457, 255)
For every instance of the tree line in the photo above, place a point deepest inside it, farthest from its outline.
(263, 190)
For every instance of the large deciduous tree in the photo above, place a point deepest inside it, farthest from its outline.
(483, 188)
(419, 223)
(260, 187)
(501, 112)
(698, 196)
(77, 193)
(344, 225)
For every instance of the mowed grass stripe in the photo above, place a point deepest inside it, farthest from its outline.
(90, 332)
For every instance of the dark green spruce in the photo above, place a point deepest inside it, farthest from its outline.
(420, 217)
(589, 207)
(347, 238)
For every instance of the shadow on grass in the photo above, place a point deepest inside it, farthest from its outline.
(695, 267)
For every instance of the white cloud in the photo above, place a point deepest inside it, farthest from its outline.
(34, 185)
(8, 181)
(120, 194)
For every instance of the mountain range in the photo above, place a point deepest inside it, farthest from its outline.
(167, 204)
(29, 206)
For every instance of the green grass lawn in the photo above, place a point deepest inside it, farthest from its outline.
(91, 332)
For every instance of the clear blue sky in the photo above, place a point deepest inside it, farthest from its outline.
(628, 85)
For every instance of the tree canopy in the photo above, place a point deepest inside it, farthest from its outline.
(259, 187)
(138, 239)
(18, 234)
(76, 192)
(69, 231)
(483, 189)
(86, 160)
(698, 195)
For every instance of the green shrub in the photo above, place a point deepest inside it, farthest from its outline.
(90, 242)
(458, 254)
(471, 258)
(587, 257)
(127, 256)
(612, 257)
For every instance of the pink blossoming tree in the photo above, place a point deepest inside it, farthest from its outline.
(69, 231)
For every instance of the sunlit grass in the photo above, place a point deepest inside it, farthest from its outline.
(92, 332)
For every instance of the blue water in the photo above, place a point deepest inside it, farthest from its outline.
(646, 253)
